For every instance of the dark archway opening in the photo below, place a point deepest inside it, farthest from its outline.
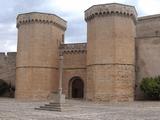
(77, 88)
(6, 90)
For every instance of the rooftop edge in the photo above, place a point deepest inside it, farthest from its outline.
(148, 17)
(41, 17)
(111, 8)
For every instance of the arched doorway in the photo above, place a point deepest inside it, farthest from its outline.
(76, 86)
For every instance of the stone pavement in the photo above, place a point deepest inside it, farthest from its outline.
(81, 110)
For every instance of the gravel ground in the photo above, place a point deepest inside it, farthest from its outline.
(10, 109)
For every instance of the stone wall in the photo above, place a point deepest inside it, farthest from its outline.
(106, 64)
(39, 35)
(147, 49)
(8, 67)
(74, 65)
(110, 52)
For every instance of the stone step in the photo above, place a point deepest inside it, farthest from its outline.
(49, 109)
(56, 103)
(54, 107)
(52, 104)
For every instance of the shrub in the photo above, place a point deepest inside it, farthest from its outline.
(151, 87)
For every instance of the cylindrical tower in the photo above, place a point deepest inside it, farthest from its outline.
(39, 35)
(110, 52)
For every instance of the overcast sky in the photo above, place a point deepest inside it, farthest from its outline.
(70, 10)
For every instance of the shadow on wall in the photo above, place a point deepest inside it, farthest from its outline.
(6, 90)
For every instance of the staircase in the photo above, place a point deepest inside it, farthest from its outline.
(54, 107)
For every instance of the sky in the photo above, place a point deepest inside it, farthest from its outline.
(70, 10)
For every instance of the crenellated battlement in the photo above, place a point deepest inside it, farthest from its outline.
(74, 48)
(109, 9)
(38, 17)
(2, 54)
(8, 54)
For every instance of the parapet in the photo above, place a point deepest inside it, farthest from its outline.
(41, 18)
(8, 56)
(148, 27)
(150, 17)
(11, 53)
(74, 48)
(2, 54)
(109, 9)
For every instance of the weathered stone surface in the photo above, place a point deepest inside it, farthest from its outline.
(80, 110)
(108, 9)
(111, 54)
(74, 66)
(105, 64)
(37, 17)
(8, 67)
(39, 35)
(147, 50)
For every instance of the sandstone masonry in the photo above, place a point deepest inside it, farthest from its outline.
(121, 49)
(8, 67)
